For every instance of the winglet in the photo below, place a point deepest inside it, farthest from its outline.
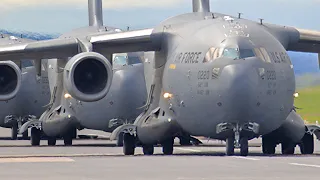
(201, 5)
(95, 13)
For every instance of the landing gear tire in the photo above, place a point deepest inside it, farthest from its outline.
(148, 149)
(307, 145)
(185, 141)
(129, 144)
(167, 146)
(268, 147)
(35, 136)
(75, 134)
(119, 142)
(25, 135)
(287, 148)
(68, 137)
(244, 146)
(14, 132)
(230, 146)
(52, 141)
(67, 140)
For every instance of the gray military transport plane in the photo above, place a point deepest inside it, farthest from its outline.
(213, 75)
(23, 93)
(87, 90)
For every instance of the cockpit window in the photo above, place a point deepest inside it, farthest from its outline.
(235, 53)
(245, 53)
(232, 53)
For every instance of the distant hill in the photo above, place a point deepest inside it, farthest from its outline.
(306, 68)
(304, 63)
(29, 35)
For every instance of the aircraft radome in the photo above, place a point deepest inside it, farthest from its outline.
(213, 75)
(24, 92)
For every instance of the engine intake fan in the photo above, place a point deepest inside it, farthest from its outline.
(10, 80)
(88, 76)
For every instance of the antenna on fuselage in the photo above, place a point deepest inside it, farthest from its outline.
(201, 5)
(95, 13)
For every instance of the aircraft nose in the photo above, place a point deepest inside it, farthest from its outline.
(239, 83)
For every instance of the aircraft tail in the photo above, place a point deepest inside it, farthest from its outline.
(201, 5)
(95, 13)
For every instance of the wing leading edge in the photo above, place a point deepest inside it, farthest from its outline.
(129, 41)
(308, 41)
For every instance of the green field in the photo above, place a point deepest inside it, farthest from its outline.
(309, 102)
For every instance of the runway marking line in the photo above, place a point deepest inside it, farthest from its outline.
(35, 160)
(246, 158)
(305, 165)
(55, 155)
(190, 150)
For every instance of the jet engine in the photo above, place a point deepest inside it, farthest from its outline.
(88, 76)
(10, 80)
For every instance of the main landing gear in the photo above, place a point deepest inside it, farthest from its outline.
(67, 138)
(36, 135)
(269, 143)
(16, 123)
(130, 141)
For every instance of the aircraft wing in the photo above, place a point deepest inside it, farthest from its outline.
(55, 48)
(305, 41)
(129, 41)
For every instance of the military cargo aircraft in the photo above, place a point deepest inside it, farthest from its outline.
(101, 95)
(213, 75)
(24, 93)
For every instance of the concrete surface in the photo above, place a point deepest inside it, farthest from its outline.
(100, 159)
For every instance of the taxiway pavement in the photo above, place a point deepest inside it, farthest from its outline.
(96, 159)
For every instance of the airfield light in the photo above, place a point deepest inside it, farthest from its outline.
(167, 95)
(296, 95)
(67, 96)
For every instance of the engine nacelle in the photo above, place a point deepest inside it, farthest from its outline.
(88, 76)
(10, 80)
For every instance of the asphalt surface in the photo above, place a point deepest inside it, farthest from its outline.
(96, 159)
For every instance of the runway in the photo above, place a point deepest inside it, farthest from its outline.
(100, 159)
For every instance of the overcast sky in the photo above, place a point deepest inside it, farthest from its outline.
(58, 16)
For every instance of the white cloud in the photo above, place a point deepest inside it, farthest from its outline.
(11, 4)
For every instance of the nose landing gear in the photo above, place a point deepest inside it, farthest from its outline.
(238, 139)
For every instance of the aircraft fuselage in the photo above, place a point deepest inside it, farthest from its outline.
(208, 91)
